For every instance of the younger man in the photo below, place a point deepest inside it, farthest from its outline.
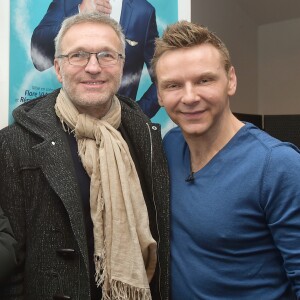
(235, 190)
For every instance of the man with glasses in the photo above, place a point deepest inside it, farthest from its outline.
(84, 180)
(138, 21)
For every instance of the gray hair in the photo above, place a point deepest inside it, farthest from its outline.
(93, 17)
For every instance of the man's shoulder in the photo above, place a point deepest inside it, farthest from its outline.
(274, 150)
(267, 141)
(37, 113)
(174, 133)
(129, 106)
(126, 100)
(27, 106)
(173, 139)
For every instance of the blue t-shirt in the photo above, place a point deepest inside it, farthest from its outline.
(235, 229)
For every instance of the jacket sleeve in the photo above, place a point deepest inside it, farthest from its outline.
(281, 203)
(42, 40)
(12, 203)
(149, 102)
(7, 247)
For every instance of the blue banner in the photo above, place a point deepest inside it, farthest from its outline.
(27, 83)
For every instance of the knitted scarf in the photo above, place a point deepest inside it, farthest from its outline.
(124, 251)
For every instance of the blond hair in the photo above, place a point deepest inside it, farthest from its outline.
(184, 34)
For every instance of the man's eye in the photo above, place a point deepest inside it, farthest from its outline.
(172, 86)
(106, 55)
(205, 80)
(79, 55)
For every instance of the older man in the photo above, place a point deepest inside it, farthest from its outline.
(138, 21)
(82, 174)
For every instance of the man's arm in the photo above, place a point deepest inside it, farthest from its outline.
(42, 40)
(8, 244)
(281, 202)
(149, 102)
(12, 203)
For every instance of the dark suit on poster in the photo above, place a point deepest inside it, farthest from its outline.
(138, 20)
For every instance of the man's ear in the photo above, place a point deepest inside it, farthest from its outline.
(232, 81)
(160, 101)
(57, 70)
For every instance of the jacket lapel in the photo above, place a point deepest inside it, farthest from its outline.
(126, 13)
(55, 159)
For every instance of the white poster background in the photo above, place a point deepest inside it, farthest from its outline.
(184, 13)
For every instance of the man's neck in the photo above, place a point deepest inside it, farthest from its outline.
(204, 147)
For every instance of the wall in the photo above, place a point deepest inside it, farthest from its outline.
(279, 68)
(239, 32)
(4, 62)
(266, 57)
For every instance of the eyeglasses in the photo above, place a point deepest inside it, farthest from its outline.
(104, 58)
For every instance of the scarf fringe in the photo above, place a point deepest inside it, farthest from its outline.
(101, 270)
(122, 291)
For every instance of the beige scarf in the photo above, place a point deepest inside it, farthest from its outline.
(125, 252)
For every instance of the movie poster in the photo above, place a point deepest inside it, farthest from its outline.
(29, 79)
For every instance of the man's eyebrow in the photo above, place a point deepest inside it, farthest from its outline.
(168, 81)
(83, 49)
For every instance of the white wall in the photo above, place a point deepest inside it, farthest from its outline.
(4, 62)
(279, 68)
(266, 57)
(239, 32)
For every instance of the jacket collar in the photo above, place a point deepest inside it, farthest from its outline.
(55, 160)
(38, 116)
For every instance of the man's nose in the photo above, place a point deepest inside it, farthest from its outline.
(190, 94)
(93, 65)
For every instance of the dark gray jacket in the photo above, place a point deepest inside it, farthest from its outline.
(40, 195)
(7, 248)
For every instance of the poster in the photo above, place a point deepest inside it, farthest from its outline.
(26, 82)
